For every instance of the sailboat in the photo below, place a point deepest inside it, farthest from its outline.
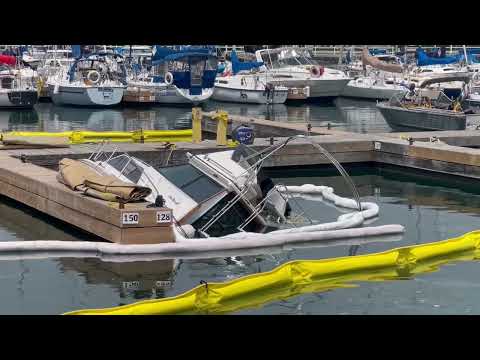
(98, 80)
(183, 75)
(377, 84)
(247, 85)
(15, 91)
(295, 68)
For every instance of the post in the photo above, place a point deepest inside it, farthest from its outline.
(196, 125)
(222, 122)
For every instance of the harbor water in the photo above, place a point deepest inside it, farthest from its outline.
(344, 114)
(431, 208)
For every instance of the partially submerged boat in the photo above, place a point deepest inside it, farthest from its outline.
(426, 109)
(217, 193)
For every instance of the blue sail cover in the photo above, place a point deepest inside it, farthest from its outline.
(162, 53)
(76, 51)
(187, 54)
(424, 60)
(238, 66)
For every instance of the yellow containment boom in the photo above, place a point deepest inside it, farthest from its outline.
(300, 277)
(138, 136)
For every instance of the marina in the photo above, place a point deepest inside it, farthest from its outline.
(141, 198)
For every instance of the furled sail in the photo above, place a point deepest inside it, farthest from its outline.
(379, 64)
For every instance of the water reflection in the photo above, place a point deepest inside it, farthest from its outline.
(136, 280)
(51, 118)
(361, 116)
(344, 114)
(20, 222)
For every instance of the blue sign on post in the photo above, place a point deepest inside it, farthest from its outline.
(243, 134)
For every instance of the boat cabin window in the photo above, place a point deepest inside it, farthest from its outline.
(287, 57)
(191, 181)
(132, 172)
(222, 81)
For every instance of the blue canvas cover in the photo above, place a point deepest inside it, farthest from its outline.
(238, 66)
(76, 51)
(424, 60)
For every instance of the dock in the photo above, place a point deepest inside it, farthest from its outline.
(29, 175)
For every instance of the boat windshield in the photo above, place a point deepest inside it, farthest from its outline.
(287, 57)
(191, 181)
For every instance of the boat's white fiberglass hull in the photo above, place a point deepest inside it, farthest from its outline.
(252, 96)
(170, 94)
(373, 92)
(86, 95)
(319, 88)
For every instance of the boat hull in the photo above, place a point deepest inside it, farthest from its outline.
(423, 119)
(165, 94)
(86, 96)
(320, 88)
(374, 93)
(20, 99)
(248, 96)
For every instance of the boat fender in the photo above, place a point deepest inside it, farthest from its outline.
(169, 78)
(93, 76)
(317, 71)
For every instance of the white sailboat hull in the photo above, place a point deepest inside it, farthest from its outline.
(373, 92)
(86, 96)
(170, 94)
(248, 96)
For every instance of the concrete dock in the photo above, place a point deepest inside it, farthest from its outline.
(29, 175)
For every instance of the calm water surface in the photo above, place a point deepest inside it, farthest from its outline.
(352, 115)
(430, 207)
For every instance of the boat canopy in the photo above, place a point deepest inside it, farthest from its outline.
(198, 68)
(424, 60)
(8, 60)
(378, 51)
(162, 53)
(238, 66)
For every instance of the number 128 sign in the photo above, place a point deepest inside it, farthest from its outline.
(164, 217)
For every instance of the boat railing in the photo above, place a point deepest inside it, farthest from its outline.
(252, 171)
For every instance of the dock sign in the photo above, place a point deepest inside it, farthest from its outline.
(164, 216)
(129, 218)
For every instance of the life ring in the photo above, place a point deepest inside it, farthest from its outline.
(169, 78)
(93, 76)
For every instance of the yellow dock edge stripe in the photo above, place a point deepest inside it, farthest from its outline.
(79, 137)
(299, 277)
